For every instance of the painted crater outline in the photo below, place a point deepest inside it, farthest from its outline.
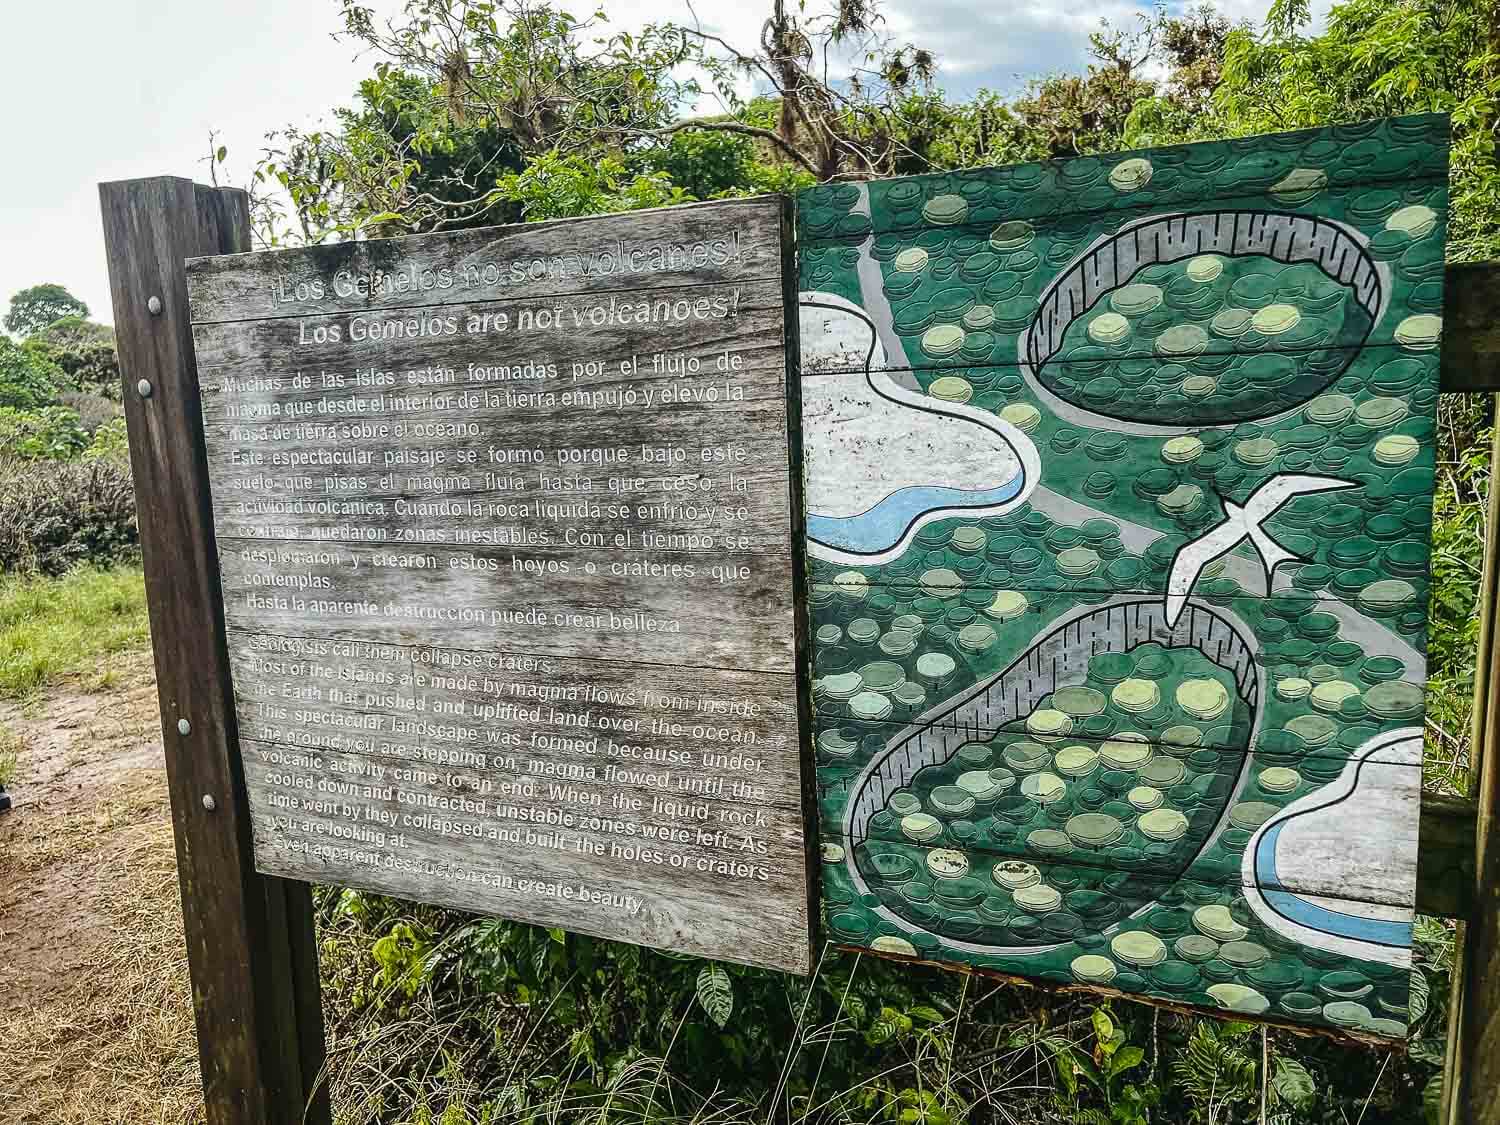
(1067, 646)
(1340, 251)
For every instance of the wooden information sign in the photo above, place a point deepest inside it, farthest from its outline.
(506, 527)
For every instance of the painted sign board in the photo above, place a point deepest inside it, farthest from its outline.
(1119, 483)
(506, 528)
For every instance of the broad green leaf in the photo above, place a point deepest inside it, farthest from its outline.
(1421, 994)
(715, 993)
(1104, 1027)
(1293, 1083)
(1124, 1059)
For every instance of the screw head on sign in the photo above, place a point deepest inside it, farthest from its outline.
(184, 727)
(143, 388)
(209, 803)
(153, 306)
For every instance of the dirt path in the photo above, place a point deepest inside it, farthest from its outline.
(95, 1019)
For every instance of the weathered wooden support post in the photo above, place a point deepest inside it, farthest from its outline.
(1471, 361)
(1472, 1071)
(251, 946)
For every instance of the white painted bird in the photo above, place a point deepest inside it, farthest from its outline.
(1241, 522)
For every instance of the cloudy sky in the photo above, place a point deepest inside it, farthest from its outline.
(113, 89)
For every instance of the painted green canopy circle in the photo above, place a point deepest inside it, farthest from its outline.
(921, 827)
(1135, 695)
(1044, 788)
(1394, 699)
(1250, 815)
(1135, 300)
(1076, 761)
(1122, 753)
(1216, 922)
(1078, 701)
(870, 705)
(935, 665)
(883, 675)
(1204, 699)
(1139, 948)
(1048, 724)
(1014, 874)
(1163, 824)
(1239, 998)
(947, 863)
(1038, 899)
(951, 801)
(1093, 968)
(1094, 829)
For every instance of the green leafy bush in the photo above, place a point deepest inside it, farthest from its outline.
(83, 351)
(53, 433)
(93, 410)
(57, 514)
(109, 443)
(27, 381)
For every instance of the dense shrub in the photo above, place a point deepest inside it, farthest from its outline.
(110, 443)
(51, 433)
(27, 381)
(57, 514)
(93, 409)
(83, 351)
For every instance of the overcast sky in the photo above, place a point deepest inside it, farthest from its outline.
(112, 89)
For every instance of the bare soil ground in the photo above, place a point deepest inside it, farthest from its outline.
(95, 1012)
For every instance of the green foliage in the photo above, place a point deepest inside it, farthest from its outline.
(34, 308)
(83, 351)
(55, 515)
(27, 381)
(53, 433)
(1103, 1071)
(109, 443)
(715, 993)
(556, 186)
(51, 628)
(1217, 1069)
(1378, 59)
(705, 165)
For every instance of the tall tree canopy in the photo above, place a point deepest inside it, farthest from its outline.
(483, 111)
(33, 309)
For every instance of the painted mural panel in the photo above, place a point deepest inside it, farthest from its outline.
(1119, 481)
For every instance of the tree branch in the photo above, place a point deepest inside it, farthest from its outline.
(735, 127)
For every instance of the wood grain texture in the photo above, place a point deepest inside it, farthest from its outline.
(251, 947)
(440, 706)
(1471, 327)
(1471, 1070)
(606, 253)
(522, 547)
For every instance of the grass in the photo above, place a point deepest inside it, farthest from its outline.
(54, 628)
(119, 1047)
(10, 755)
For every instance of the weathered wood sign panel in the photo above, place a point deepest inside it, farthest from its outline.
(1119, 483)
(505, 520)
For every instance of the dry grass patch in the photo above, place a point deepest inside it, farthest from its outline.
(117, 1045)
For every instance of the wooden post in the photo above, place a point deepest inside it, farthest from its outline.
(251, 947)
(1472, 1066)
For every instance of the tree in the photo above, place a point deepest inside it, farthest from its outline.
(83, 351)
(1379, 58)
(33, 309)
(27, 382)
(465, 94)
